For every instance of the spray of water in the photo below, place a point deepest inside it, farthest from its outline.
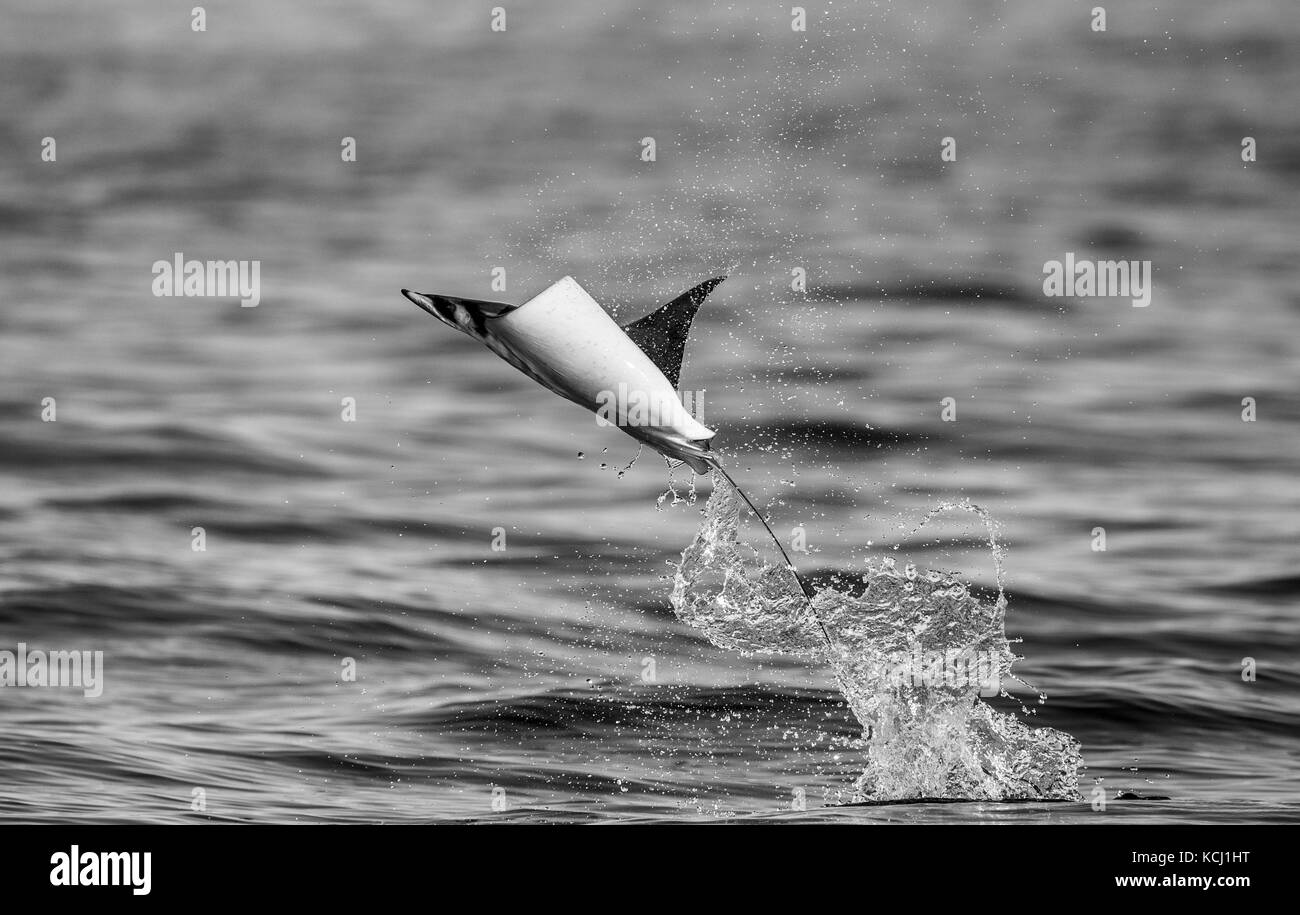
(912, 653)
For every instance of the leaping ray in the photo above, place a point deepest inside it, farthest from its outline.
(564, 340)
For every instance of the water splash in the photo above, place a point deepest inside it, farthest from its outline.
(678, 498)
(912, 654)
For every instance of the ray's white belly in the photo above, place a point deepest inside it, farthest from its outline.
(569, 341)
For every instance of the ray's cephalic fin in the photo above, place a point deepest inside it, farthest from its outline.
(661, 335)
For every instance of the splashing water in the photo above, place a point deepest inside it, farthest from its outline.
(912, 654)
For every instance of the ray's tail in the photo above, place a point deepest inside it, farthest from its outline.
(807, 589)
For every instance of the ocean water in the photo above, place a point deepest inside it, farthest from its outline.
(552, 680)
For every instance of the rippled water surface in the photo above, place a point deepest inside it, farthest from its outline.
(554, 676)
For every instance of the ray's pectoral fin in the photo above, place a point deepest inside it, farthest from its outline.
(662, 333)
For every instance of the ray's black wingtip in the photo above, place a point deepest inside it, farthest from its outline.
(697, 294)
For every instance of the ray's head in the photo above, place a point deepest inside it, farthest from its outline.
(469, 316)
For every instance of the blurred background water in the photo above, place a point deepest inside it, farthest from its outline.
(523, 669)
